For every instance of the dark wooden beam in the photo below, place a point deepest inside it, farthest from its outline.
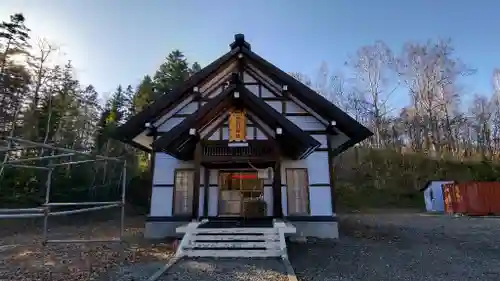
(277, 208)
(206, 185)
(331, 171)
(238, 165)
(196, 180)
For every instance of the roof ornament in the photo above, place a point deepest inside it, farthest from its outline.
(239, 41)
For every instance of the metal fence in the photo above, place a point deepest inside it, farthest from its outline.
(61, 154)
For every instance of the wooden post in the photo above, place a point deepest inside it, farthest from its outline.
(206, 188)
(331, 171)
(196, 180)
(277, 208)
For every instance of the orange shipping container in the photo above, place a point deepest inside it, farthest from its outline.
(472, 198)
(494, 198)
(448, 196)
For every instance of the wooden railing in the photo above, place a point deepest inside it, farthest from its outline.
(220, 150)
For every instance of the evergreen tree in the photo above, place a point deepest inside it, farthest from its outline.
(144, 95)
(14, 79)
(14, 36)
(171, 73)
(195, 68)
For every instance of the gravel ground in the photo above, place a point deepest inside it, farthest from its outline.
(207, 269)
(23, 258)
(403, 247)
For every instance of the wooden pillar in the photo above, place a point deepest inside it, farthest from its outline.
(196, 180)
(206, 188)
(277, 208)
(331, 171)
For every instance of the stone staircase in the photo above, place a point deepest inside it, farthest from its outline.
(244, 242)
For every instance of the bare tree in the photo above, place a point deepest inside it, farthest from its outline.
(480, 111)
(42, 73)
(374, 83)
(431, 72)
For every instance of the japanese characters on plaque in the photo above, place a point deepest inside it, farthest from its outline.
(237, 126)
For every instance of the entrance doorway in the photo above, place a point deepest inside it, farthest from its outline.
(235, 188)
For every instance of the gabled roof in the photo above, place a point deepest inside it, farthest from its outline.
(294, 142)
(328, 111)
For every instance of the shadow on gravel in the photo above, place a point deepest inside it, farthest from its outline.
(402, 247)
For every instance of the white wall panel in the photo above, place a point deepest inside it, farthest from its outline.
(189, 109)
(277, 105)
(292, 107)
(284, 204)
(161, 201)
(214, 176)
(268, 198)
(250, 133)
(170, 123)
(201, 200)
(247, 78)
(260, 135)
(215, 135)
(253, 88)
(322, 139)
(317, 167)
(165, 166)
(266, 93)
(225, 133)
(213, 200)
(320, 201)
(307, 122)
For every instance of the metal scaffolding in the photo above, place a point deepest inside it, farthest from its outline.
(17, 144)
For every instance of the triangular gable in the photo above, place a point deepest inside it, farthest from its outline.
(295, 142)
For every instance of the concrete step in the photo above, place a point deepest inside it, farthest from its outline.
(232, 253)
(236, 237)
(232, 231)
(234, 244)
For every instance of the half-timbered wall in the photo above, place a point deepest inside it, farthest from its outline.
(163, 184)
(265, 88)
(319, 182)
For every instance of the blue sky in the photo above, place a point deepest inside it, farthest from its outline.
(112, 42)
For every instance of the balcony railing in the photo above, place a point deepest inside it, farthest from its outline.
(220, 150)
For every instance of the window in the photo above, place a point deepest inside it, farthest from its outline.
(297, 192)
(183, 192)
